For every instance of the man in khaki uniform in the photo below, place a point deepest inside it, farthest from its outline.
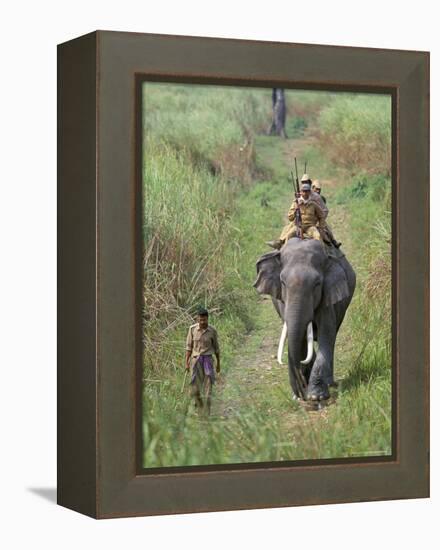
(201, 345)
(312, 219)
(315, 196)
(322, 202)
(316, 188)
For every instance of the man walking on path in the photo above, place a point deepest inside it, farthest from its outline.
(201, 345)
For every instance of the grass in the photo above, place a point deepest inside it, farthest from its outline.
(216, 188)
(192, 175)
(214, 125)
(355, 131)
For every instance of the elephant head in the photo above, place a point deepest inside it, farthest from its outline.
(311, 293)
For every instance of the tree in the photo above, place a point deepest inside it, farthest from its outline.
(277, 126)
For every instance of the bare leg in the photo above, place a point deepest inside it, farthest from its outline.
(195, 392)
(196, 389)
(207, 394)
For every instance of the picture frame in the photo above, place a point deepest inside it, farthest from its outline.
(99, 346)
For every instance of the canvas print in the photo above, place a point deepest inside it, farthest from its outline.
(266, 275)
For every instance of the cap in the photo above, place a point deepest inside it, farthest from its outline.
(305, 187)
(316, 184)
(305, 178)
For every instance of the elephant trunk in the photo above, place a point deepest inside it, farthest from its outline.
(298, 316)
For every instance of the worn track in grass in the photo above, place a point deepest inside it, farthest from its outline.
(255, 377)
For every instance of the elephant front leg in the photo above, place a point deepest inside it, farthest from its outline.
(321, 375)
(317, 389)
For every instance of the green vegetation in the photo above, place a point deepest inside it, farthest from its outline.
(362, 418)
(296, 126)
(355, 132)
(215, 189)
(308, 105)
(212, 125)
(191, 182)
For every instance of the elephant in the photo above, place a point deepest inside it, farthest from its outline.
(311, 291)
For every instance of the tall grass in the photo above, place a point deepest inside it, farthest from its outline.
(214, 125)
(354, 130)
(198, 157)
(207, 212)
(307, 105)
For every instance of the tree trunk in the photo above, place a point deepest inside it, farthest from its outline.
(277, 127)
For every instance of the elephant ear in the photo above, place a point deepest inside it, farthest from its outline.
(335, 284)
(268, 274)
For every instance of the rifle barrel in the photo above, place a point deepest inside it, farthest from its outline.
(297, 181)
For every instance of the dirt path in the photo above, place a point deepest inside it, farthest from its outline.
(257, 378)
(255, 375)
(255, 367)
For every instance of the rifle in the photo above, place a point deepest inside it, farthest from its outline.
(298, 220)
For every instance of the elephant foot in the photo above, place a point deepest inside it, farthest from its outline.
(318, 392)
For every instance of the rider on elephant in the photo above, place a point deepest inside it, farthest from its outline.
(316, 188)
(316, 196)
(325, 233)
(312, 218)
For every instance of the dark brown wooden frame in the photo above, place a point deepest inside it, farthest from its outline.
(99, 351)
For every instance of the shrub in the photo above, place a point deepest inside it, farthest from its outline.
(296, 126)
(375, 187)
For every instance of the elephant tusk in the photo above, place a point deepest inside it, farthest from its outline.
(281, 344)
(309, 344)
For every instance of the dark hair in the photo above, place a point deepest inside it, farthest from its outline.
(203, 312)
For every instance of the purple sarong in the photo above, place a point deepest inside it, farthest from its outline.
(203, 365)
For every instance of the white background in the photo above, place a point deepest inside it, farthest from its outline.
(29, 34)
